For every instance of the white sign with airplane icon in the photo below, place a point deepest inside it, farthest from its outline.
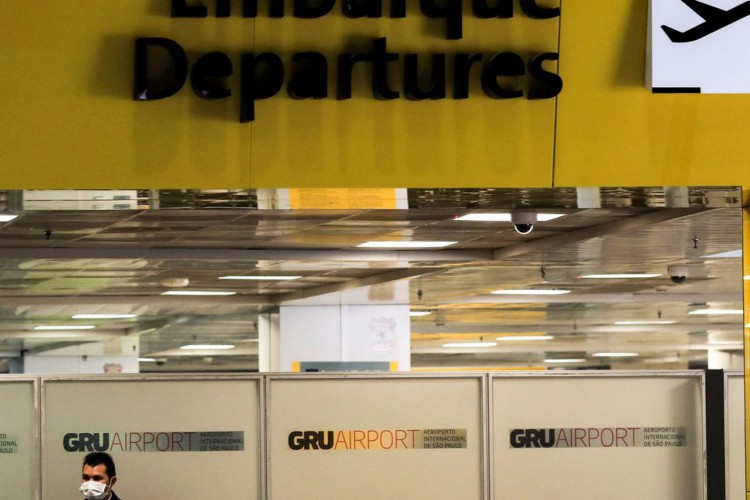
(697, 47)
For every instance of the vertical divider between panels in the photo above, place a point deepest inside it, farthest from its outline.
(39, 440)
(265, 469)
(40, 414)
(487, 438)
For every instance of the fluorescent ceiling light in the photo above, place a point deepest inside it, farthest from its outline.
(419, 313)
(717, 312)
(503, 217)
(197, 347)
(621, 276)
(406, 244)
(563, 360)
(147, 360)
(733, 254)
(531, 291)
(7, 217)
(660, 322)
(615, 354)
(471, 344)
(526, 337)
(260, 278)
(196, 292)
(64, 327)
(104, 316)
(725, 342)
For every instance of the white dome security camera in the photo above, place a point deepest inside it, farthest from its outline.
(678, 273)
(523, 221)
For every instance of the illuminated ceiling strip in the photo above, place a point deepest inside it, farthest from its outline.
(470, 344)
(526, 337)
(717, 312)
(615, 354)
(406, 244)
(64, 327)
(621, 276)
(645, 322)
(197, 347)
(260, 278)
(502, 217)
(104, 316)
(530, 292)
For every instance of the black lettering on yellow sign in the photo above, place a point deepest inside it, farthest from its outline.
(450, 10)
(262, 75)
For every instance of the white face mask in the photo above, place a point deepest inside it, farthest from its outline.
(94, 490)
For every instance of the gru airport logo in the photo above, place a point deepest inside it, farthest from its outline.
(695, 46)
(599, 437)
(378, 439)
(158, 441)
(162, 66)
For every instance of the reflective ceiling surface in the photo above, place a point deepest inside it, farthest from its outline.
(70, 253)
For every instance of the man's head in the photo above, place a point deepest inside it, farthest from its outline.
(98, 467)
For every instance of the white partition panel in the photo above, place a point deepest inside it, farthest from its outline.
(361, 437)
(186, 437)
(734, 434)
(19, 439)
(584, 436)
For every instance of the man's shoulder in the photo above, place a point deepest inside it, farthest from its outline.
(115, 497)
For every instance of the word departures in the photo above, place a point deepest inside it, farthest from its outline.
(601, 437)
(263, 75)
(371, 439)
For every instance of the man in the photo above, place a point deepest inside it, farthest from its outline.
(98, 477)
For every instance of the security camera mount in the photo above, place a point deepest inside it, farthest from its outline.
(523, 221)
(678, 273)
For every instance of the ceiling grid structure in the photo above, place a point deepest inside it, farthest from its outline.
(55, 264)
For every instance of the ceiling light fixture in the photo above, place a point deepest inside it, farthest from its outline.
(147, 360)
(502, 217)
(406, 244)
(717, 312)
(197, 292)
(198, 347)
(615, 354)
(526, 337)
(260, 278)
(416, 314)
(621, 276)
(470, 344)
(531, 291)
(564, 360)
(104, 316)
(7, 217)
(665, 322)
(65, 327)
(732, 254)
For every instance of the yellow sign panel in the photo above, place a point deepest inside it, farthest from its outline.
(70, 119)
(322, 198)
(612, 131)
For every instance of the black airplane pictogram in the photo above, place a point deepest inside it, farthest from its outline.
(714, 17)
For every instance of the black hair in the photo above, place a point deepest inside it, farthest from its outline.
(99, 457)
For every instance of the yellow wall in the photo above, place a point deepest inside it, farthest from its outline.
(69, 120)
(613, 132)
